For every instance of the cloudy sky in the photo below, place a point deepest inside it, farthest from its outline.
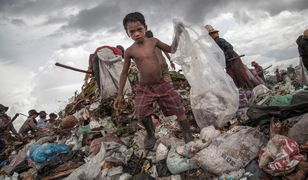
(34, 34)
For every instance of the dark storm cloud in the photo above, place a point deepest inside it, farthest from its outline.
(109, 15)
(95, 15)
(40, 7)
(90, 20)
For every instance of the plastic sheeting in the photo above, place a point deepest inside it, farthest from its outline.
(214, 97)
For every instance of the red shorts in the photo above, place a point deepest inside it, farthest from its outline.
(163, 93)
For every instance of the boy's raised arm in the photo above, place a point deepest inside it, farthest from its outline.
(171, 49)
(123, 78)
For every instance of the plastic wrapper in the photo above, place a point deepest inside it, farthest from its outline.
(280, 156)
(214, 97)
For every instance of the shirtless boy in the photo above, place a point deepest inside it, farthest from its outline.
(151, 87)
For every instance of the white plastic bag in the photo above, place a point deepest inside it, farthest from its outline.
(231, 151)
(214, 97)
(110, 67)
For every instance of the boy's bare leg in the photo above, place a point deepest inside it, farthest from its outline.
(149, 140)
(184, 125)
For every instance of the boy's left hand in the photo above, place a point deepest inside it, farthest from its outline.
(172, 65)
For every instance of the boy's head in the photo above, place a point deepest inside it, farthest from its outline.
(134, 25)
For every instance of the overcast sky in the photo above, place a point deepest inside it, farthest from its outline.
(34, 34)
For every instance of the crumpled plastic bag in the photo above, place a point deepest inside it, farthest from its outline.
(214, 97)
(110, 74)
(41, 153)
(258, 94)
(161, 152)
(191, 148)
(178, 164)
(280, 156)
(209, 133)
(231, 150)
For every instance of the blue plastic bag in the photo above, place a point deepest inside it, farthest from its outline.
(41, 153)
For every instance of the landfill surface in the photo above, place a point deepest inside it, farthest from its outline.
(267, 138)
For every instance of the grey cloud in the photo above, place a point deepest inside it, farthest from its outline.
(74, 44)
(18, 22)
(40, 7)
(282, 54)
(104, 15)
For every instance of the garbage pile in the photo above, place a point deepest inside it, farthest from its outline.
(266, 138)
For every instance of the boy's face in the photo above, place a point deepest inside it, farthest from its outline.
(136, 31)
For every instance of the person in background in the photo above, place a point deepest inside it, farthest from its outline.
(52, 121)
(30, 124)
(258, 69)
(240, 74)
(42, 122)
(278, 76)
(6, 124)
(302, 42)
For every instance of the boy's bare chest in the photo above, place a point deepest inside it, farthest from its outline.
(144, 53)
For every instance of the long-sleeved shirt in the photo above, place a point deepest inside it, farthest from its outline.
(226, 47)
(29, 125)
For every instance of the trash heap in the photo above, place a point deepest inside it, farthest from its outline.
(266, 138)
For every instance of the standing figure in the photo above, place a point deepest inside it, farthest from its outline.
(30, 124)
(258, 69)
(302, 42)
(6, 124)
(42, 122)
(151, 87)
(240, 74)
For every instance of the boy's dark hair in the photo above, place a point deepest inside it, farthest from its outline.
(133, 17)
(149, 34)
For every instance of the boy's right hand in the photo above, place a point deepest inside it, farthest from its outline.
(117, 102)
(179, 28)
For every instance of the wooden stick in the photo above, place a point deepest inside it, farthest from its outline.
(72, 68)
